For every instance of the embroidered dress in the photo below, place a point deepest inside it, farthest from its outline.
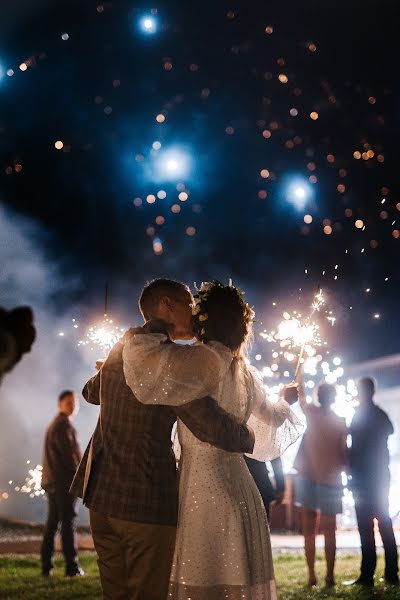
(223, 549)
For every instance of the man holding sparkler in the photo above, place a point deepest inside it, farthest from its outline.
(127, 476)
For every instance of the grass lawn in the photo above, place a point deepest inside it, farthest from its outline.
(20, 579)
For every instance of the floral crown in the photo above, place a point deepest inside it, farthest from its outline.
(200, 312)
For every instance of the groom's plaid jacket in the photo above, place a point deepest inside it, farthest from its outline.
(128, 470)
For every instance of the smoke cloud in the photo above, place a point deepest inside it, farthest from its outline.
(28, 396)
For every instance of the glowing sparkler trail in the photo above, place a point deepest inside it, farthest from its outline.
(292, 333)
(104, 335)
(297, 333)
(319, 300)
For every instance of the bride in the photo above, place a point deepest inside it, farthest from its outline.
(223, 548)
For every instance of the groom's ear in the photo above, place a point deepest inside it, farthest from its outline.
(165, 302)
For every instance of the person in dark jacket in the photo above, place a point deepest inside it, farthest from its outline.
(61, 457)
(269, 492)
(369, 469)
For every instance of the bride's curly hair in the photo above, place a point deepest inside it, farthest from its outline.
(221, 314)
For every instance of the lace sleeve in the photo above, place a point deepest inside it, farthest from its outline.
(275, 425)
(164, 373)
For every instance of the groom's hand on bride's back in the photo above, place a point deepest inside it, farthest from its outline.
(211, 424)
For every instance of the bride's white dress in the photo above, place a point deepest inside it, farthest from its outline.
(223, 549)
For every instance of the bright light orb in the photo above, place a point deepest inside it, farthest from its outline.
(298, 193)
(172, 164)
(148, 24)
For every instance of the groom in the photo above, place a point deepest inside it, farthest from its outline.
(127, 476)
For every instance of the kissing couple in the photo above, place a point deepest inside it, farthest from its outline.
(211, 540)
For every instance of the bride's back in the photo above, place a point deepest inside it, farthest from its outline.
(223, 321)
(232, 393)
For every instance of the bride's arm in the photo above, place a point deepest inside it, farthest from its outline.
(275, 425)
(161, 372)
(273, 414)
(183, 377)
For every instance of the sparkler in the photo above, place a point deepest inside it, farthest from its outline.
(319, 300)
(295, 333)
(33, 483)
(32, 486)
(104, 335)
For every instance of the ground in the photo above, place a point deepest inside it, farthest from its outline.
(20, 579)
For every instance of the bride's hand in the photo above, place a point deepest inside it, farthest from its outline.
(290, 393)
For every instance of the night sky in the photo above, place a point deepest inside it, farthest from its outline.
(258, 97)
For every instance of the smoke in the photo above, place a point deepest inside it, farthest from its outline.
(28, 396)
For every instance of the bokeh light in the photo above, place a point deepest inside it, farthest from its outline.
(148, 24)
(172, 164)
(298, 193)
(157, 246)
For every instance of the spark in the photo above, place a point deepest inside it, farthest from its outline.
(297, 333)
(33, 483)
(292, 333)
(103, 335)
(319, 300)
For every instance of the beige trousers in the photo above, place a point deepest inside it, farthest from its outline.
(134, 558)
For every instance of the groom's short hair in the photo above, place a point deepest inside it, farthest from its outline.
(155, 290)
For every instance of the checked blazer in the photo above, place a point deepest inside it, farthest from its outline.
(128, 470)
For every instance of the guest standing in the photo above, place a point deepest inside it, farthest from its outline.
(319, 462)
(61, 458)
(369, 469)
